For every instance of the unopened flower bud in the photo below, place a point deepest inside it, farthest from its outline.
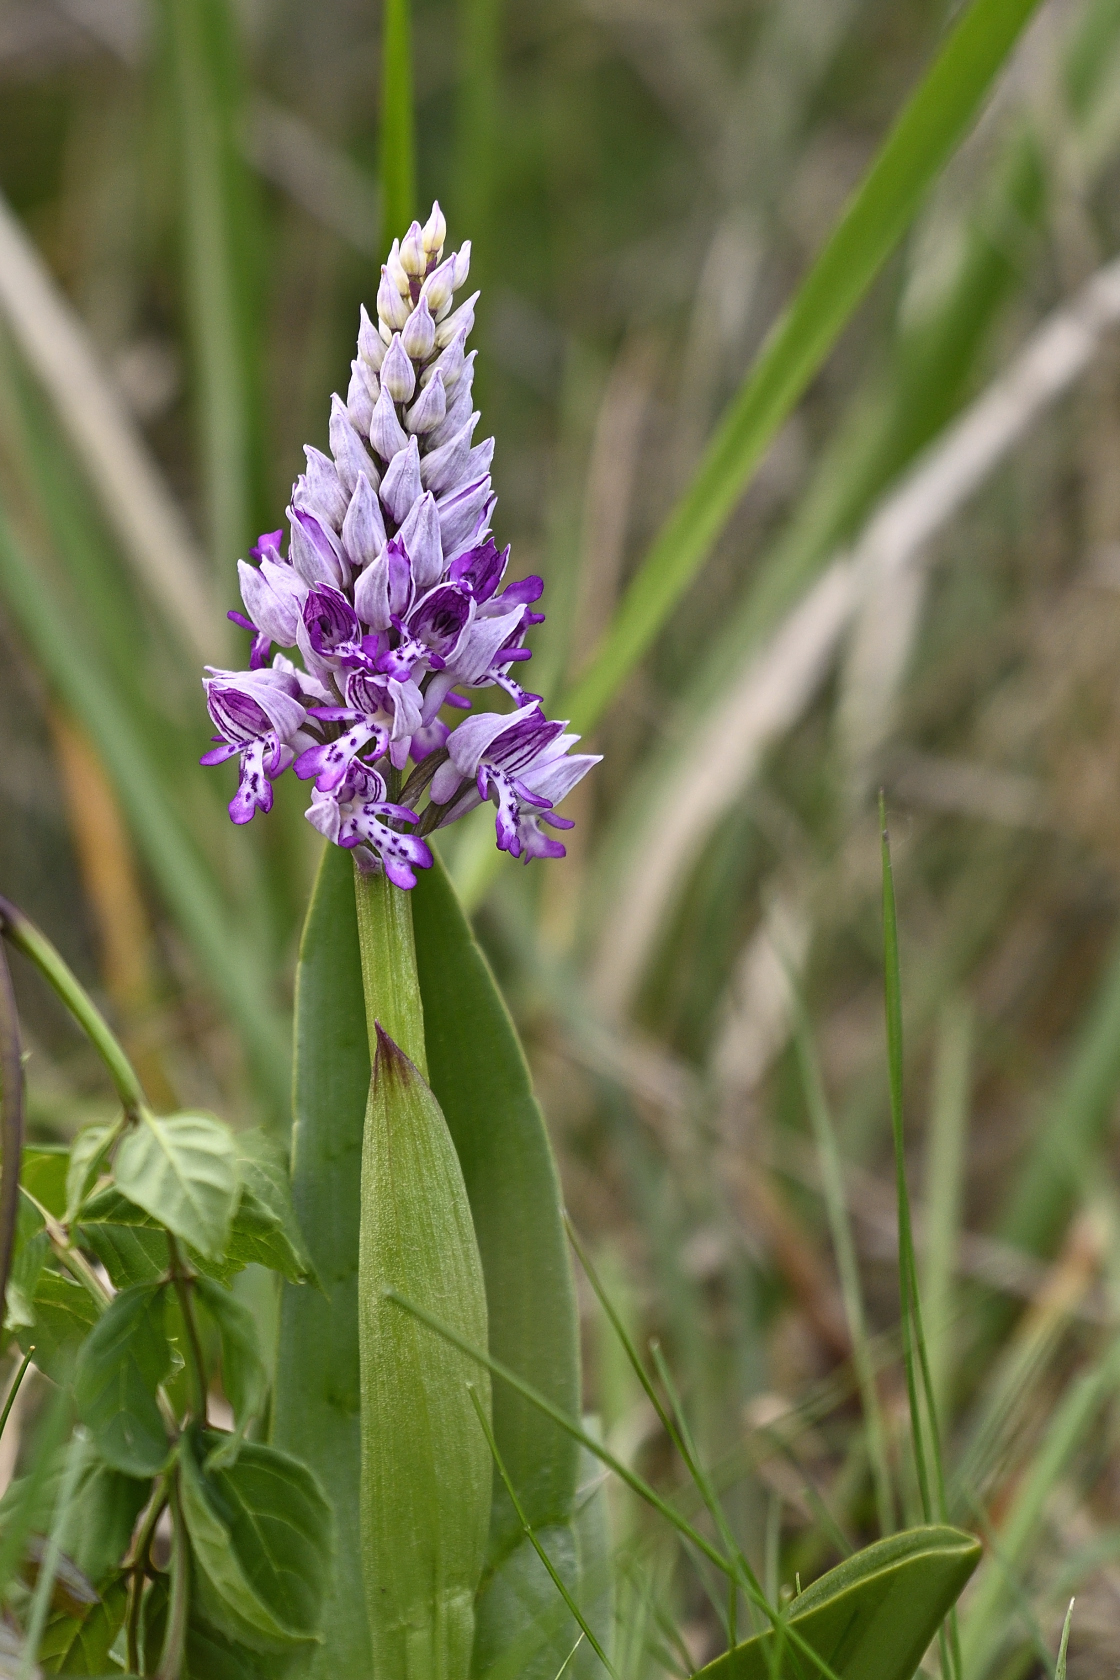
(371, 345)
(428, 409)
(462, 261)
(434, 233)
(461, 321)
(398, 376)
(419, 333)
(439, 287)
(414, 259)
(396, 270)
(386, 433)
(392, 308)
(361, 394)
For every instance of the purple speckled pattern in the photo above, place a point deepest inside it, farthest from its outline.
(390, 595)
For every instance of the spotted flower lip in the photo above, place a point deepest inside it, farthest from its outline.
(391, 593)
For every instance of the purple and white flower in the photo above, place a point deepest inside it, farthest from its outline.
(391, 594)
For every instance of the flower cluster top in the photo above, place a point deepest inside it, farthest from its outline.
(391, 592)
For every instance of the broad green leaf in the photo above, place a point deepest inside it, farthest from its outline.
(481, 1080)
(182, 1169)
(265, 1227)
(131, 1245)
(84, 1151)
(925, 136)
(129, 1254)
(122, 1363)
(244, 1377)
(64, 1314)
(43, 1173)
(315, 1403)
(872, 1618)
(261, 1535)
(426, 1467)
(81, 1645)
(258, 1238)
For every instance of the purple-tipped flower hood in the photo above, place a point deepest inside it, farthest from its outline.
(391, 594)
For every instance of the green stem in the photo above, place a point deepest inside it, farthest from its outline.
(171, 1657)
(26, 937)
(137, 1570)
(389, 980)
(14, 1390)
(194, 1344)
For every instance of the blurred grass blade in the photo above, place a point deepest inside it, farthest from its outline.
(1073, 1121)
(984, 1625)
(11, 1129)
(872, 1617)
(152, 532)
(222, 263)
(315, 1408)
(397, 141)
(188, 889)
(52, 1556)
(944, 1186)
(923, 139)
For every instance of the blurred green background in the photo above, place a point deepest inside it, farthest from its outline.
(920, 590)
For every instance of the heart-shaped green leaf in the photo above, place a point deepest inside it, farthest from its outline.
(872, 1618)
(261, 1535)
(182, 1169)
(64, 1313)
(123, 1360)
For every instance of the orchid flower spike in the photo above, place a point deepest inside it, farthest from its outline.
(390, 606)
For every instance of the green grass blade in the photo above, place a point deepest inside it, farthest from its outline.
(554, 1574)
(1060, 1669)
(684, 1529)
(189, 891)
(836, 1207)
(397, 143)
(913, 1334)
(315, 1407)
(906, 1260)
(925, 136)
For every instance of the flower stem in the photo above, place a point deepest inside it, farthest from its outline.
(26, 937)
(389, 979)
